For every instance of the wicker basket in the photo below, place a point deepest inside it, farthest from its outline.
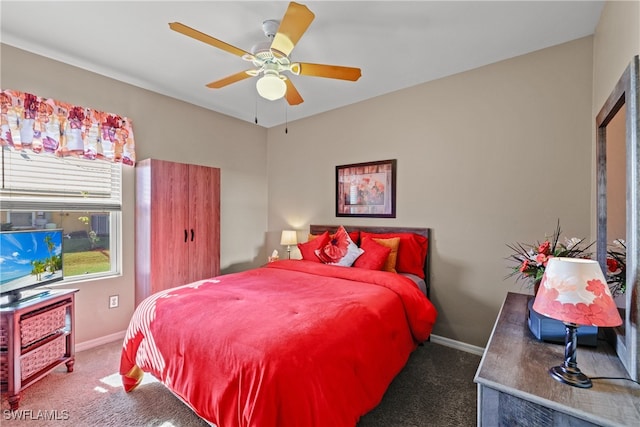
(4, 369)
(43, 356)
(41, 325)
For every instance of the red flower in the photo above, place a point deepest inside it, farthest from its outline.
(30, 106)
(76, 113)
(30, 103)
(337, 247)
(550, 303)
(543, 259)
(545, 248)
(112, 122)
(524, 266)
(596, 313)
(581, 313)
(596, 287)
(612, 265)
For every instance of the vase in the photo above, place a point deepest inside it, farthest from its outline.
(536, 286)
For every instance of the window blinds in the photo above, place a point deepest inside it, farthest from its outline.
(37, 182)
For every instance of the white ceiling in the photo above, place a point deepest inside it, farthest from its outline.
(396, 44)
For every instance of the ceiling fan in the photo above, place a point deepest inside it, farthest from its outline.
(272, 58)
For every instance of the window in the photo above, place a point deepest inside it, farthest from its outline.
(81, 197)
(20, 220)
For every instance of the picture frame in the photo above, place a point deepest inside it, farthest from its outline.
(366, 189)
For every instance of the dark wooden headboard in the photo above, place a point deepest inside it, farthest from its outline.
(426, 232)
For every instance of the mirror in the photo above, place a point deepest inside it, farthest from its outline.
(618, 201)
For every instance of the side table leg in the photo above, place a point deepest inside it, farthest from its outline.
(14, 401)
(70, 363)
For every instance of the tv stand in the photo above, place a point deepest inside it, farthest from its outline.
(17, 297)
(36, 336)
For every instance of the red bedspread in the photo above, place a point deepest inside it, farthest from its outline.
(294, 343)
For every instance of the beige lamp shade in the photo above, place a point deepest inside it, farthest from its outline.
(289, 237)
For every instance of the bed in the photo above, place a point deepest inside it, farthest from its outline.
(291, 343)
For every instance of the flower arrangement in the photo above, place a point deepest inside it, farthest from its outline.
(617, 267)
(531, 260)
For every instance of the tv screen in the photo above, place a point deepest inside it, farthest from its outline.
(29, 259)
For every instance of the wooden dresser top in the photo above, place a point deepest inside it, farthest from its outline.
(515, 362)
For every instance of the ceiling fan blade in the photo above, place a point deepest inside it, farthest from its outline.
(294, 23)
(229, 79)
(328, 71)
(292, 95)
(188, 31)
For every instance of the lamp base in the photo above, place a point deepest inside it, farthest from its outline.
(570, 376)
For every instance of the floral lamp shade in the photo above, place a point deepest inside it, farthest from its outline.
(574, 290)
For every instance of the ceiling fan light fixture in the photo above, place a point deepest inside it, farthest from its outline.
(272, 58)
(271, 86)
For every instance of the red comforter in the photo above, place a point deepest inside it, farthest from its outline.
(294, 343)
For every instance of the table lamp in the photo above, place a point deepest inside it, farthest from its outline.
(574, 291)
(289, 237)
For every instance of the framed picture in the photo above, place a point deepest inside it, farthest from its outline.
(366, 189)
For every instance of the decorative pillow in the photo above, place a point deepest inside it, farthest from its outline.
(308, 249)
(353, 235)
(340, 250)
(411, 252)
(393, 244)
(374, 256)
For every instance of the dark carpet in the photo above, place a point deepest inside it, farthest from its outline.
(436, 388)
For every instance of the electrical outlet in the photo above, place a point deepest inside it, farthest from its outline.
(113, 301)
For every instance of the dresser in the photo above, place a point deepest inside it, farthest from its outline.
(515, 388)
(36, 336)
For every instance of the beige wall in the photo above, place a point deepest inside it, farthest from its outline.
(166, 129)
(616, 41)
(486, 157)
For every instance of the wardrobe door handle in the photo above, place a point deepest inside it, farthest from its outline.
(192, 234)
(185, 235)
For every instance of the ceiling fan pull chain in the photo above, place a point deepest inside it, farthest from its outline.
(286, 118)
(256, 116)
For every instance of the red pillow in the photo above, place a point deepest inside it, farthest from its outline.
(340, 250)
(308, 249)
(374, 256)
(411, 253)
(353, 235)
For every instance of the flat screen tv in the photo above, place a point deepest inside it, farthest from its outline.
(28, 259)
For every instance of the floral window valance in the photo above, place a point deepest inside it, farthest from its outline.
(44, 125)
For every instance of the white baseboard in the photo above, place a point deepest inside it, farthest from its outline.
(458, 345)
(86, 345)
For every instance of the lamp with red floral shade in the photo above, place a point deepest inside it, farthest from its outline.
(574, 291)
